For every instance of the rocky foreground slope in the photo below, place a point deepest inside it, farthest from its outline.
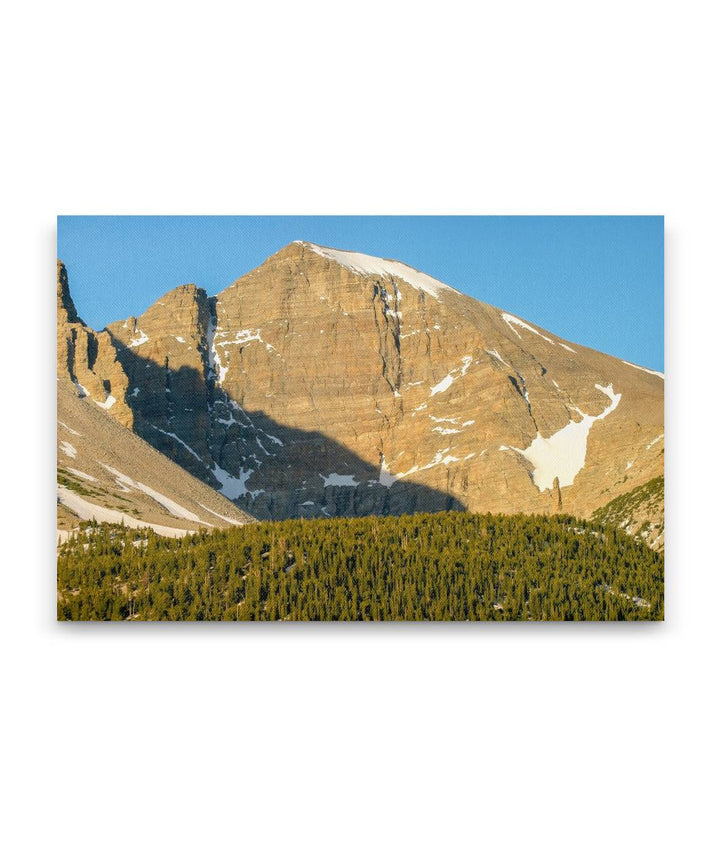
(327, 382)
(106, 473)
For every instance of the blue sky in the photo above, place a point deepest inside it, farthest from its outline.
(598, 281)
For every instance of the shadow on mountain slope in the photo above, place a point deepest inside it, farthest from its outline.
(270, 470)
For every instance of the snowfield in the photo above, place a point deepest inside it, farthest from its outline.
(383, 268)
(89, 511)
(563, 454)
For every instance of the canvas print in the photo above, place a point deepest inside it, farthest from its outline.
(360, 419)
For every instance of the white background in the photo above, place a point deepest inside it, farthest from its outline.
(359, 739)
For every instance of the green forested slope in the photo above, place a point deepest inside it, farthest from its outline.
(639, 512)
(445, 566)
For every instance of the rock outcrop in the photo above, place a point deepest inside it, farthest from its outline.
(88, 359)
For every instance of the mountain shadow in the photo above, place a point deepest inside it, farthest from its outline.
(268, 469)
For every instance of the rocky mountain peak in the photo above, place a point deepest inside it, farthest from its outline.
(65, 305)
(376, 267)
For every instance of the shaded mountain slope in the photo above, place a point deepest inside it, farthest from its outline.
(107, 473)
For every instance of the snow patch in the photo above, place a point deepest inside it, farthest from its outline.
(497, 357)
(231, 486)
(168, 504)
(647, 371)
(444, 384)
(652, 442)
(512, 322)
(563, 454)
(107, 404)
(336, 480)
(447, 381)
(140, 339)
(385, 268)
(242, 337)
(221, 516)
(219, 370)
(81, 474)
(567, 348)
(89, 511)
(182, 442)
(386, 478)
(68, 449)
(68, 428)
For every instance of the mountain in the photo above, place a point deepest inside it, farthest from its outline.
(327, 382)
(104, 470)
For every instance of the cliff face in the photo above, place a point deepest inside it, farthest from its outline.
(88, 359)
(328, 382)
(164, 356)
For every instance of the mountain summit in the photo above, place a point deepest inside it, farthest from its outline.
(328, 382)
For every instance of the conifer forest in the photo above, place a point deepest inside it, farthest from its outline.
(422, 567)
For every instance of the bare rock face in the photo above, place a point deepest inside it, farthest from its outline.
(165, 359)
(327, 382)
(87, 358)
